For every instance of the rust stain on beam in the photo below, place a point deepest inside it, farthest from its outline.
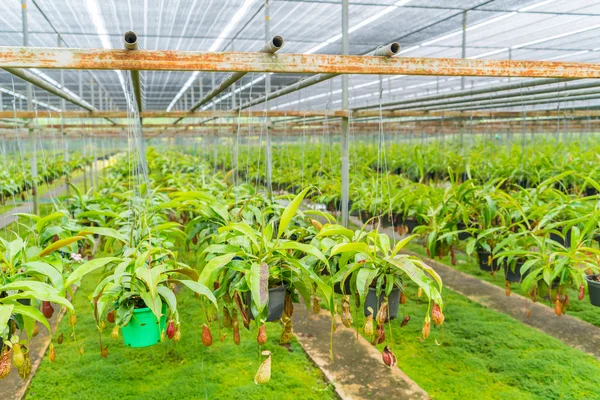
(308, 114)
(66, 58)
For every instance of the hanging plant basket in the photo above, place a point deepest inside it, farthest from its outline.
(5, 363)
(374, 302)
(345, 289)
(484, 261)
(410, 224)
(593, 289)
(514, 276)
(275, 303)
(144, 329)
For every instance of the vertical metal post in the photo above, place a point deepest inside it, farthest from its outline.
(214, 107)
(29, 108)
(233, 101)
(269, 158)
(345, 121)
(63, 105)
(464, 45)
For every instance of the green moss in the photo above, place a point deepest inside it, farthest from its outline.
(184, 370)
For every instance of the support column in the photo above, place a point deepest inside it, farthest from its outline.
(345, 121)
(269, 158)
(29, 89)
(464, 45)
(63, 105)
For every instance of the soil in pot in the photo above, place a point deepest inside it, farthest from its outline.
(514, 276)
(373, 302)
(144, 329)
(593, 289)
(274, 305)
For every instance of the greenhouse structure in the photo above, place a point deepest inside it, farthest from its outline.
(299, 199)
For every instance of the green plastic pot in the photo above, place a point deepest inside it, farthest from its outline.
(143, 329)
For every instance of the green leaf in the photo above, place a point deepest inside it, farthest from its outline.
(88, 267)
(364, 277)
(5, 313)
(335, 230)
(42, 222)
(151, 276)
(31, 312)
(400, 245)
(60, 244)
(201, 290)
(169, 297)
(40, 267)
(306, 248)
(243, 229)
(110, 232)
(290, 211)
(359, 247)
(212, 266)
(259, 285)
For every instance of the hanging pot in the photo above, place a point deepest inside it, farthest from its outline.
(144, 329)
(484, 264)
(5, 363)
(274, 304)
(566, 241)
(593, 289)
(463, 235)
(514, 276)
(374, 302)
(410, 224)
(337, 287)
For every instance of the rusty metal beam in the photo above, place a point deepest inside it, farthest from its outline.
(308, 114)
(162, 60)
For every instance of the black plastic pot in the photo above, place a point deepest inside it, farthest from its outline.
(483, 261)
(337, 287)
(566, 241)
(373, 302)
(275, 303)
(514, 276)
(410, 224)
(593, 290)
(462, 235)
(386, 220)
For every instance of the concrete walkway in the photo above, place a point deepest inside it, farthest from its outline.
(357, 371)
(572, 331)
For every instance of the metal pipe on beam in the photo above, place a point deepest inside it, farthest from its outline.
(478, 100)
(383, 51)
(529, 102)
(465, 93)
(163, 60)
(131, 43)
(42, 84)
(270, 47)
